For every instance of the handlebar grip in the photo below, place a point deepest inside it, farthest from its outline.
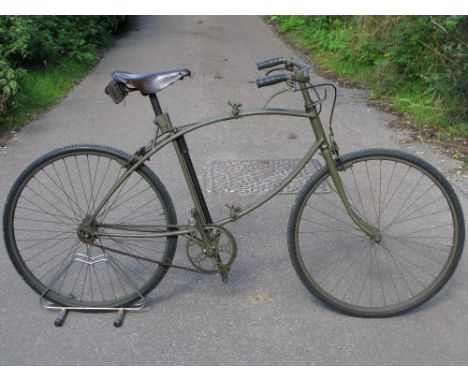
(271, 80)
(270, 63)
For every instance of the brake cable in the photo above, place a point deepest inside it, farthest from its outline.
(334, 146)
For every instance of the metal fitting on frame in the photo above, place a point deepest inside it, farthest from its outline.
(163, 122)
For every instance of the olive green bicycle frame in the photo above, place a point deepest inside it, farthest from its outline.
(163, 122)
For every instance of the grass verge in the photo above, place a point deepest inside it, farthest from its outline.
(41, 88)
(350, 53)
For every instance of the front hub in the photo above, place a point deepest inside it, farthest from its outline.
(376, 236)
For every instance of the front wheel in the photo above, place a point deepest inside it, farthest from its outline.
(47, 224)
(417, 214)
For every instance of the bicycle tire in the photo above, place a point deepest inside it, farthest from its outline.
(346, 269)
(45, 208)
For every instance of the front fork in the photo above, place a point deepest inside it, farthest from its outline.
(371, 231)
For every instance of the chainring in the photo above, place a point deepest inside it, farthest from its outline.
(216, 259)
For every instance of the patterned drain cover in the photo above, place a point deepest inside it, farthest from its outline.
(257, 176)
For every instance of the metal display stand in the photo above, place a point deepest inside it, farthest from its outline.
(64, 310)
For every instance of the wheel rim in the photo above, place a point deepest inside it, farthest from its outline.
(419, 232)
(49, 212)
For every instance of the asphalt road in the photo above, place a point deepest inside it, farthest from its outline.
(263, 316)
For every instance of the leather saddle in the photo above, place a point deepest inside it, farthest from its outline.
(150, 83)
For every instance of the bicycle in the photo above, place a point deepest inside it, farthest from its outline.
(373, 233)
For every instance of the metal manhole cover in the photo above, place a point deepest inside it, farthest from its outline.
(256, 176)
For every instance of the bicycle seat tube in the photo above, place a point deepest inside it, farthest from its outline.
(316, 124)
(188, 170)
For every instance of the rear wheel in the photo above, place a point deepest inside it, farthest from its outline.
(420, 221)
(46, 219)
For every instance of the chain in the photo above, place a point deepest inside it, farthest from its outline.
(221, 268)
(103, 247)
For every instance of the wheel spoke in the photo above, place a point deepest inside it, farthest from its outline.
(415, 215)
(47, 230)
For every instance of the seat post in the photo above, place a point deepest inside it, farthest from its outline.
(155, 103)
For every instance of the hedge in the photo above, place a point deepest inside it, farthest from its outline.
(422, 56)
(30, 41)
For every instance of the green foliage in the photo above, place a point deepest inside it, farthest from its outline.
(43, 86)
(8, 84)
(28, 43)
(419, 62)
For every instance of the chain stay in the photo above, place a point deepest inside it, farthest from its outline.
(220, 269)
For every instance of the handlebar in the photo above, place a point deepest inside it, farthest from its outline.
(299, 71)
